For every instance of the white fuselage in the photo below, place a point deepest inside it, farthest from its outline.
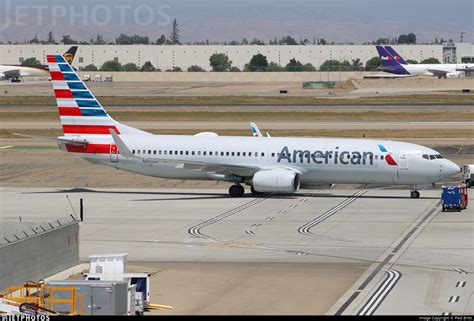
(318, 160)
(25, 71)
(424, 69)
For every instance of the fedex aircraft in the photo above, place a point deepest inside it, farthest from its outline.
(267, 165)
(16, 72)
(393, 63)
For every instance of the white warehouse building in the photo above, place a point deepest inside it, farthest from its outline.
(184, 56)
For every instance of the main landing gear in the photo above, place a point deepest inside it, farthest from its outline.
(236, 190)
(415, 194)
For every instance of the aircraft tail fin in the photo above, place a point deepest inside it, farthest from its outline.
(395, 55)
(389, 64)
(70, 54)
(80, 111)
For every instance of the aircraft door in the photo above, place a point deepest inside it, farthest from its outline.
(114, 153)
(403, 163)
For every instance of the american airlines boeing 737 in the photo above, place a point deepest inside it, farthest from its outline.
(267, 165)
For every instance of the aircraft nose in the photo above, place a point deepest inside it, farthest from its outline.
(451, 168)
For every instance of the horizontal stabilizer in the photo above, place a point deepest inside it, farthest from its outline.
(74, 142)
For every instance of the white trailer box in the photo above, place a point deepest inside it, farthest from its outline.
(108, 263)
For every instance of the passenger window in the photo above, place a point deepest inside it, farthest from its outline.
(210, 153)
(263, 154)
(238, 153)
(171, 152)
(159, 152)
(273, 154)
(243, 154)
(192, 153)
(144, 151)
(199, 153)
(222, 153)
(376, 157)
(381, 157)
(138, 151)
(154, 152)
(227, 154)
(204, 153)
(133, 151)
(256, 154)
(181, 152)
(233, 154)
(187, 152)
(164, 152)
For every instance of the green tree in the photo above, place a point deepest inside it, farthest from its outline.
(288, 40)
(161, 40)
(357, 64)
(111, 65)
(430, 61)
(411, 38)
(274, 67)
(148, 67)
(373, 63)
(174, 38)
(50, 38)
(195, 68)
(220, 62)
(35, 40)
(31, 62)
(258, 63)
(90, 67)
(411, 61)
(382, 41)
(309, 67)
(130, 67)
(294, 65)
(335, 65)
(256, 41)
(67, 40)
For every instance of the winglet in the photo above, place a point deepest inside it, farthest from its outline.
(255, 131)
(123, 149)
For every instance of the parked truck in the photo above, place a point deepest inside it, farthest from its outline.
(454, 198)
(468, 175)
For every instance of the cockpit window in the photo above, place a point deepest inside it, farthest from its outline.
(432, 157)
(426, 156)
(439, 156)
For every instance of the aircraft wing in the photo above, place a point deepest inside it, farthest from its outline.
(438, 73)
(208, 167)
(13, 73)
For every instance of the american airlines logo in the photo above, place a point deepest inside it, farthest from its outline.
(335, 156)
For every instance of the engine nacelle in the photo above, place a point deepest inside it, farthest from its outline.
(2, 76)
(276, 181)
(455, 74)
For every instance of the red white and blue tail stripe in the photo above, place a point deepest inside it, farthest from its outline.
(81, 113)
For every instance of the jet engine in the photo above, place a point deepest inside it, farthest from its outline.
(455, 74)
(2, 76)
(276, 181)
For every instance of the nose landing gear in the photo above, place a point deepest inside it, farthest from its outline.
(236, 190)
